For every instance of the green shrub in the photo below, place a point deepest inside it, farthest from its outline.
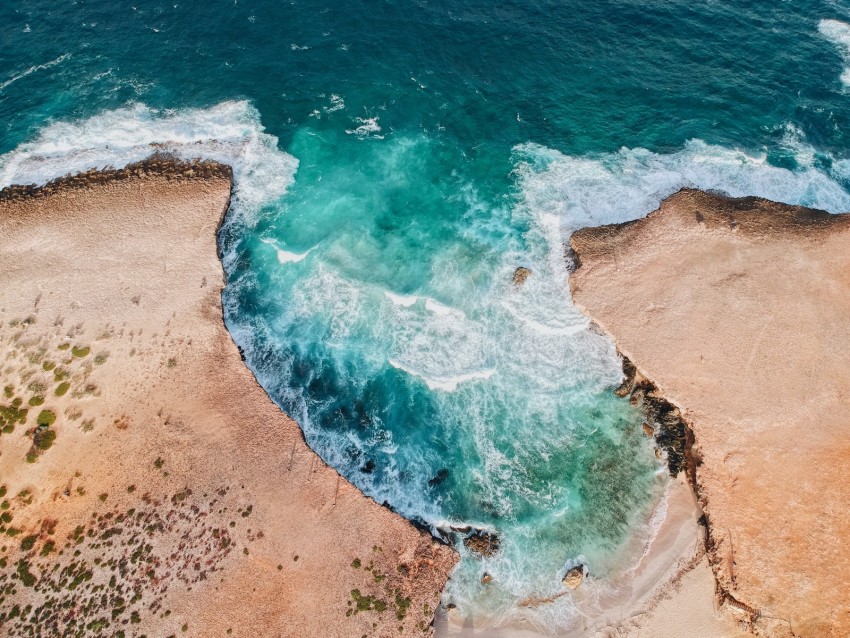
(24, 574)
(46, 418)
(80, 351)
(43, 438)
(28, 542)
(365, 603)
(62, 388)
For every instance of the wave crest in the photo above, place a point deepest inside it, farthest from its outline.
(838, 33)
(229, 132)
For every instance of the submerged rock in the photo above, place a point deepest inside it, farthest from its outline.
(520, 275)
(439, 478)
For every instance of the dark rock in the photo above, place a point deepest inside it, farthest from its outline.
(629, 373)
(483, 543)
(157, 165)
(672, 435)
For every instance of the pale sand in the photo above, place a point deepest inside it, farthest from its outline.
(739, 311)
(129, 268)
(668, 592)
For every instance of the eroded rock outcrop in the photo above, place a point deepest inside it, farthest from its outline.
(573, 577)
(520, 275)
(482, 542)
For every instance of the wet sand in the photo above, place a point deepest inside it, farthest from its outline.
(738, 310)
(176, 495)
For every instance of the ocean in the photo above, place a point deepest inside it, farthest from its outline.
(395, 163)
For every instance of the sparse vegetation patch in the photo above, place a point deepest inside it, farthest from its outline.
(80, 351)
(110, 573)
(46, 417)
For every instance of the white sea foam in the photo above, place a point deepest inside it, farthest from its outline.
(445, 383)
(33, 69)
(337, 299)
(337, 104)
(229, 132)
(442, 310)
(367, 127)
(436, 343)
(556, 328)
(838, 33)
(616, 187)
(401, 300)
(285, 256)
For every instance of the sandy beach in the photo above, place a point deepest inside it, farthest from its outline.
(668, 591)
(736, 311)
(152, 487)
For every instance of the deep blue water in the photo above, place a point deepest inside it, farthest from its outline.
(395, 163)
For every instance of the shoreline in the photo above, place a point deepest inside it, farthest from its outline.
(669, 583)
(706, 296)
(160, 414)
(672, 570)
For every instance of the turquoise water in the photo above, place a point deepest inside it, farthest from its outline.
(395, 163)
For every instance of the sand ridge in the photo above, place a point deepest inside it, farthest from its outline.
(176, 495)
(738, 310)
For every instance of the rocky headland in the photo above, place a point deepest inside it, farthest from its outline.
(733, 316)
(148, 485)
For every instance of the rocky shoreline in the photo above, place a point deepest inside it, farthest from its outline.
(157, 165)
(166, 487)
(730, 315)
